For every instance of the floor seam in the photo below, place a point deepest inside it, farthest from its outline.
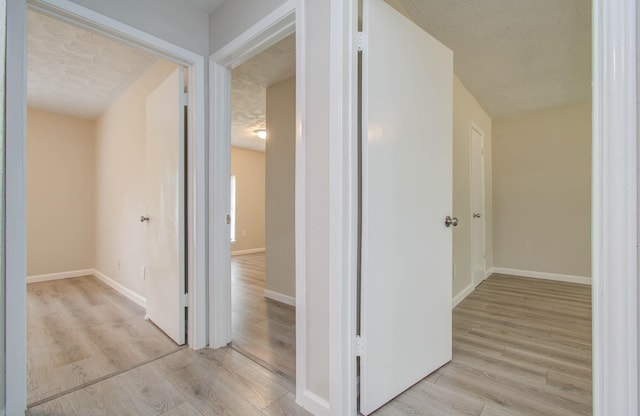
(103, 378)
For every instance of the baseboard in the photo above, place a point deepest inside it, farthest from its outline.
(489, 272)
(462, 295)
(279, 297)
(57, 276)
(248, 251)
(543, 275)
(126, 292)
(314, 404)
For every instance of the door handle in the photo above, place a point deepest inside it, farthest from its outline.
(451, 221)
(476, 215)
(144, 218)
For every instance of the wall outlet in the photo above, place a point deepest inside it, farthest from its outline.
(454, 271)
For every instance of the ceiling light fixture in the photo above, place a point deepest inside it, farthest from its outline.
(261, 133)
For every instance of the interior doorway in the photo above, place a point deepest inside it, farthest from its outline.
(262, 201)
(106, 206)
(478, 213)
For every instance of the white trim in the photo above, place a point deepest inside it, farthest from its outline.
(615, 209)
(248, 251)
(314, 404)
(343, 207)
(15, 246)
(58, 276)
(124, 291)
(462, 295)
(543, 275)
(280, 297)
(489, 272)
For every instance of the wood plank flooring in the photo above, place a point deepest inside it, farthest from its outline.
(520, 347)
(80, 330)
(262, 329)
(184, 383)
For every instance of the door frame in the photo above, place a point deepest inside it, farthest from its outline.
(474, 127)
(15, 253)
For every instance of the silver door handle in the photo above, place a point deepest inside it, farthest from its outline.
(144, 218)
(476, 215)
(450, 221)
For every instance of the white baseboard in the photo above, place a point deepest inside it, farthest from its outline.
(126, 292)
(460, 296)
(279, 297)
(314, 404)
(543, 275)
(61, 275)
(248, 251)
(489, 272)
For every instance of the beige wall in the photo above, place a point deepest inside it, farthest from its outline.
(120, 177)
(249, 169)
(280, 188)
(60, 193)
(542, 191)
(467, 111)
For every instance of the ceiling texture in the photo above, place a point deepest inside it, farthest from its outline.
(249, 83)
(76, 72)
(514, 56)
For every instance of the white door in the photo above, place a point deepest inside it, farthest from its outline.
(406, 196)
(165, 272)
(478, 264)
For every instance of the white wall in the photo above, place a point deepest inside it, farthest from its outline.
(177, 21)
(248, 166)
(542, 191)
(120, 178)
(60, 193)
(280, 188)
(467, 110)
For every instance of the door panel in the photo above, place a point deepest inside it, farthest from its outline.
(406, 194)
(165, 277)
(477, 207)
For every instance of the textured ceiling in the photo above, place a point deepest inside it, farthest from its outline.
(514, 55)
(248, 91)
(207, 5)
(76, 72)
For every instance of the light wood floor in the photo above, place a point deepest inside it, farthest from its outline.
(80, 330)
(520, 347)
(262, 329)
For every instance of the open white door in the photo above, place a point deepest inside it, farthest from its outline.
(165, 273)
(406, 196)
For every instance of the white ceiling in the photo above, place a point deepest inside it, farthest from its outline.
(248, 91)
(207, 6)
(514, 55)
(76, 72)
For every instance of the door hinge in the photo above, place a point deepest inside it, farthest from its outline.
(360, 346)
(185, 97)
(360, 41)
(228, 219)
(185, 300)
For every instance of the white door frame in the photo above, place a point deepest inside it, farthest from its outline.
(473, 127)
(16, 184)
(615, 209)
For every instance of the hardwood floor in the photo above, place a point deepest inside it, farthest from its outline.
(262, 329)
(80, 330)
(520, 347)
(184, 383)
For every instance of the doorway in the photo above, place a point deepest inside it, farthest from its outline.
(478, 213)
(105, 137)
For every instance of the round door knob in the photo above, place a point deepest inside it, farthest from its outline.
(476, 215)
(144, 218)
(451, 221)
